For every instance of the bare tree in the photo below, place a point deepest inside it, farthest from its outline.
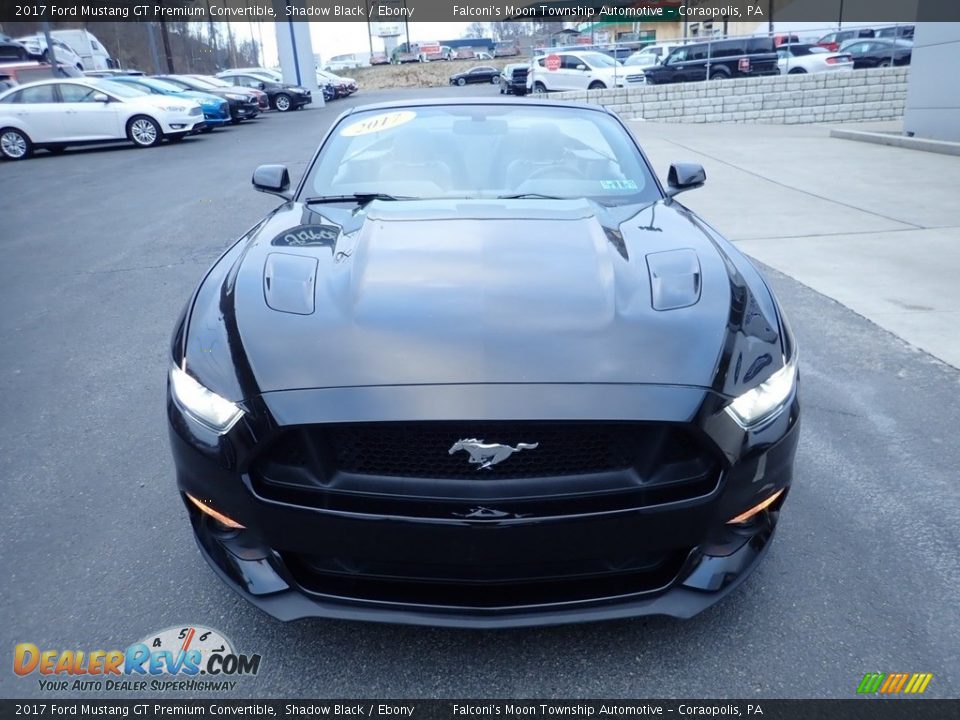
(475, 30)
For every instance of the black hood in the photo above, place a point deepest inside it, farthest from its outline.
(475, 292)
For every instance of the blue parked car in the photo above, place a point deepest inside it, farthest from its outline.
(216, 110)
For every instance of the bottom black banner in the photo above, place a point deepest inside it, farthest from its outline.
(868, 709)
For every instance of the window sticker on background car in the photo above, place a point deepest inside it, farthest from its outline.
(378, 123)
(618, 184)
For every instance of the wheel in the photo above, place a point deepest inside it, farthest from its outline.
(15, 145)
(283, 102)
(797, 71)
(207, 129)
(461, 81)
(539, 88)
(144, 131)
(883, 63)
(597, 85)
(494, 80)
(502, 91)
(236, 121)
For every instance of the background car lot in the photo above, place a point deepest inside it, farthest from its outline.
(97, 549)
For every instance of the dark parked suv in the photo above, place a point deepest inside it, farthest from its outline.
(717, 60)
(513, 79)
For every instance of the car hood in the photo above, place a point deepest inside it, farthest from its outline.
(201, 97)
(474, 292)
(163, 101)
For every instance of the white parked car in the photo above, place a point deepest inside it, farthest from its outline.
(574, 70)
(800, 58)
(36, 45)
(56, 113)
(346, 62)
(651, 55)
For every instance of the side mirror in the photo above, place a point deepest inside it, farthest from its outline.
(685, 176)
(272, 179)
(581, 67)
(101, 97)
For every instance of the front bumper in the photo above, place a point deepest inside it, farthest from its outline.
(296, 560)
(243, 110)
(178, 124)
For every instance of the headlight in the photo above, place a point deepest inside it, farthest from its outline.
(234, 96)
(173, 108)
(765, 399)
(205, 406)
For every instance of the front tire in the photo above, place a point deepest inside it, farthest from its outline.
(883, 64)
(283, 103)
(14, 144)
(597, 85)
(461, 81)
(539, 88)
(494, 81)
(718, 75)
(797, 71)
(144, 131)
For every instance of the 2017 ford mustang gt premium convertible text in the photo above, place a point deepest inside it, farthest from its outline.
(480, 368)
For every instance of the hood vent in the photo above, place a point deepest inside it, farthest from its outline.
(289, 282)
(674, 278)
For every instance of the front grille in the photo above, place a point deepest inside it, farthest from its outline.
(423, 450)
(556, 468)
(641, 78)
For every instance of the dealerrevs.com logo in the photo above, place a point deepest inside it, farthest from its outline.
(183, 658)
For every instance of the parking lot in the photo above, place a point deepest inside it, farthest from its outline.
(101, 248)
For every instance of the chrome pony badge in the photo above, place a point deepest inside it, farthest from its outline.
(486, 455)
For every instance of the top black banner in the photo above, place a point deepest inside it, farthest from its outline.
(614, 11)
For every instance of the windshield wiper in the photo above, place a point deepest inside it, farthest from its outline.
(541, 196)
(360, 198)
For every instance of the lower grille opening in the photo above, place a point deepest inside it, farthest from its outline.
(315, 575)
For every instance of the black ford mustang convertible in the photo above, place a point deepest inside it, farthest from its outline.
(480, 368)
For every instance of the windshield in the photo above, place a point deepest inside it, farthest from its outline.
(595, 59)
(118, 88)
(482, 151)
(267, 75)
(159, 85)
(210, 82)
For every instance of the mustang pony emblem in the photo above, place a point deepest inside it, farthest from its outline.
(487, 455)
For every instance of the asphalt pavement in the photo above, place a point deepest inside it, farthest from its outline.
(102, 247)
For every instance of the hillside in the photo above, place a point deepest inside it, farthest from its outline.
(431, 74)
